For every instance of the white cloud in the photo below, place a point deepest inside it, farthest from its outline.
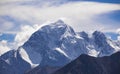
(118, 38)
(25, 33)
(3, 47)
(5, 25)
(118, 31)
(80, 15)
(11, 1)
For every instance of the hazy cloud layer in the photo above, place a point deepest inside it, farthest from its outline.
(24, 34)
(80, 15)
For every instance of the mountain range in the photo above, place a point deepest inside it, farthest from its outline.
(52, 47)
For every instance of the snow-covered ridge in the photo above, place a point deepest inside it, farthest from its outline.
(62, 38)
(58, 41)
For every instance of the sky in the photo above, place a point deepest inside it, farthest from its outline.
(20, 18)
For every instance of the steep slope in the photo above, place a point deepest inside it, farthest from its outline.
(102, 44)
(12, 63)
(53, 43)
(98, 44)
(56, 44)
(58, 41)
(53, 46)
(90, 65)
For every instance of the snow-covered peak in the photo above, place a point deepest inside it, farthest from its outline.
(58, 41)
(59, 21)
(56, 30)
(84, 35)
(59, 25)
(99, 38)
(43, 42)
(99, 34)
(56, 44)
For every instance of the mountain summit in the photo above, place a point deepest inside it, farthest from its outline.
(57, 41)
(47, 43)
(59, 44)
(56, 44)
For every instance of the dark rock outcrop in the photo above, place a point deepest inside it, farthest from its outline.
(90, 65)
(12, 63)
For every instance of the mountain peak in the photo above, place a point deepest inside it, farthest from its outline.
(99, 36)
(57, 28)
(60, 21)
(59, 24)
(84, 35)
(98, 33)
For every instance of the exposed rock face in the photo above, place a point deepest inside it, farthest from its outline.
(43, 70)
(58, 41)
(90, 65)
(57, 44)
(12, 63)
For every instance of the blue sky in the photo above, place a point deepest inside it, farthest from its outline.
(17, 16)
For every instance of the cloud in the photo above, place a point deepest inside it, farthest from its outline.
(11, 1)
(118, 32)
(118, 38)
(26, 31)
(33, 2)
(24, 34)
(79, 15)
(6, 25)
(3, 47)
